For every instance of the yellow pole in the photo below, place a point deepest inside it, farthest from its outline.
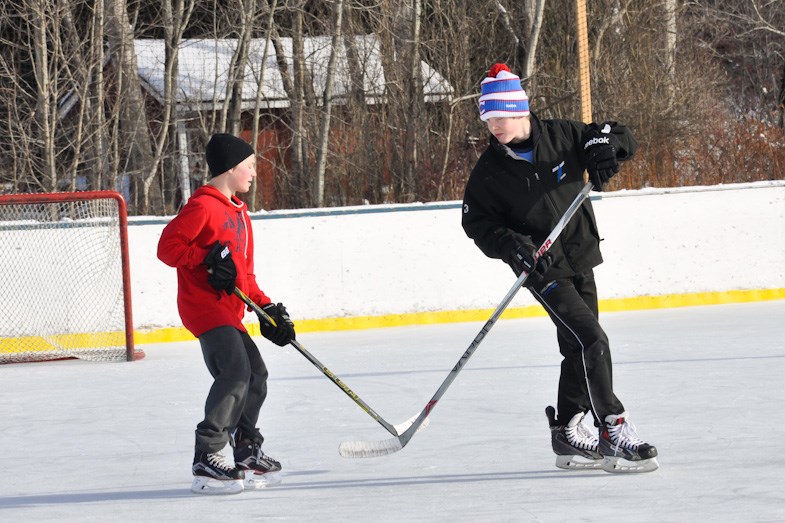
(584, 80)
(583, 60)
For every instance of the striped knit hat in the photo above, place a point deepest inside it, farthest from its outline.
(502, 95)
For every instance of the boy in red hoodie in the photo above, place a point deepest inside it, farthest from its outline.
(210, 243)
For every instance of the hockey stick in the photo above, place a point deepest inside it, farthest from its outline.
(395, 430)
(369, 449)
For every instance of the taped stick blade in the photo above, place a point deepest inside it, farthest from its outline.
(369, 449)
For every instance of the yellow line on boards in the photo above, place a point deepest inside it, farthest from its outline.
(172, 334)
(10, 345)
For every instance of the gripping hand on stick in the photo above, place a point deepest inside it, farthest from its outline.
(283, 332)
(221, 268)
(599, 152)
(520, 257)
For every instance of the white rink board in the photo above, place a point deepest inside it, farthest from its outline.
(379, 260)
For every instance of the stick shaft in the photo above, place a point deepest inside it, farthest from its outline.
(319, 365)
(549, 241)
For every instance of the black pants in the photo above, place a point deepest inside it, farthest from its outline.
(239, 389)
(586, 381)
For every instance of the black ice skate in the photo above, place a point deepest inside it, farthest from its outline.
(574, 444)
(622, 449)
(213, 475)
(261, 470)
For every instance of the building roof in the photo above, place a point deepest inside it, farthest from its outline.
(204, 63)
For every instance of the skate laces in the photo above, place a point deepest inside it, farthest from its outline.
(581, 437)
(217, 460)
(624, 435)
(260, 457)
(589, 435)
(264, 458)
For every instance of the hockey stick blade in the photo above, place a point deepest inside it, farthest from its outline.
(369, 449)
(375, 449)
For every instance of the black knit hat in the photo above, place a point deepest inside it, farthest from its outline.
(225, 151)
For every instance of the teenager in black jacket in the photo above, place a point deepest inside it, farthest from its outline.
(518, 190)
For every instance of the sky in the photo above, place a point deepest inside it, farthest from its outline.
(88, 441)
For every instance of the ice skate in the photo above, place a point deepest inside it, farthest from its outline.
(260, 470)
(622, 450)
(213, 475)
(574, 444)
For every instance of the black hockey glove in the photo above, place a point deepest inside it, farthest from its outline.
(283, 332)
(520, 257)
(221, 268)
(599, 152)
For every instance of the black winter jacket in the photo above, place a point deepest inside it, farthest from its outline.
(506, 194)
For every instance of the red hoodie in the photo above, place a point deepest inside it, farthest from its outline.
(209, 217)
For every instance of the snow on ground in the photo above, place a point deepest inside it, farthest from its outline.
(114, 441)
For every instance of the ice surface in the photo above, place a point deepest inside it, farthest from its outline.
(114, 441)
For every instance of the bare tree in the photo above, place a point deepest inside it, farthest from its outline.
(296, 85)
(399, 33)
(134, 132)
(327, 104)
(675, 72)
(414, 99)
(535, 10)
(233, 102)
(46, 81)
(175, 17)
(269, 31)
(748, 38)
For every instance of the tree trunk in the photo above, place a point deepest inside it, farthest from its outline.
(364, 178)
(400, 50)
(294, 110)
(44, 85)
(299, 150)
(670, 49)
(233, 106)
(78, 71)
(781, 99)
(415, 103)
(324, 127)
(99, 134)
(134, 131)
(175, 19)
(537, 10)
(270, 9)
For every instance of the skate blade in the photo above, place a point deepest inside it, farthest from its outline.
(577, 463)
(260, 481)
(216, 487)
(617, 465)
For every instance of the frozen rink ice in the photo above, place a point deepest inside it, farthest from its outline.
(114, 441)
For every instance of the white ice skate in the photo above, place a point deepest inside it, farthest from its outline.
(255, 481)
(213, 475)
(212, 486)
(261, 471)
(574, 444)
(622, 450)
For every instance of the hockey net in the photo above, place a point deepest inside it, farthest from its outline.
(64, 284)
